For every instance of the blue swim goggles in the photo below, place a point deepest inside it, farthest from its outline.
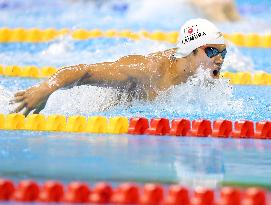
(212, 52)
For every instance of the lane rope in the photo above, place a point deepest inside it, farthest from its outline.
(36, 35)
(239, 78)
(126, 193)
(138, 126)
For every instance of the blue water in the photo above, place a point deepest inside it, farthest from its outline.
(192, 161)
(70, 156)
(118, 158)
(123, 14)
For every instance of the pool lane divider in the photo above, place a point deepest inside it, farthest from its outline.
(27, 71)
(138, 126)
(36, 35)
(239, 78)
(127, 193)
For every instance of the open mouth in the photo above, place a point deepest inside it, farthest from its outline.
(215, 72)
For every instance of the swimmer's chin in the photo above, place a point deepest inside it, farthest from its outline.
(216, 77)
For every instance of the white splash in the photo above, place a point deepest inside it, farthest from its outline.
(201, 94)
(5, 97)
(61, 47)
(82, 100)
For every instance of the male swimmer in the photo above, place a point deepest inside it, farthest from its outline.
(142, 77)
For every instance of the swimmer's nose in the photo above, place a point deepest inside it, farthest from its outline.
(218, 66)
(219, 59)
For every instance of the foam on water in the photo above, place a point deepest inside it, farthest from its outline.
(82, 100)
(5, 97)
(201, 96)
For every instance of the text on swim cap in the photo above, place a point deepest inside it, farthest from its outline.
(192, 33)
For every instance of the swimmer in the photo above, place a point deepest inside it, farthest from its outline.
(218, 10)
(141, 77)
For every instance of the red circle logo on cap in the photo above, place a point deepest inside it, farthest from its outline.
(190, 30)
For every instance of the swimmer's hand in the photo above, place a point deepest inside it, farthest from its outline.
(34, 98)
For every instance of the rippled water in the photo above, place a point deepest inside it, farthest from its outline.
(142, 14)
(192, 161)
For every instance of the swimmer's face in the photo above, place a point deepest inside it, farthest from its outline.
(215, 59)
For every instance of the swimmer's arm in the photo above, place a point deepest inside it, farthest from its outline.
(88, 74)
(113, 73)
(66, 76)
(35, 97)
(109, 72)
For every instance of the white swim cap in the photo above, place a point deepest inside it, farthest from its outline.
(195, 33)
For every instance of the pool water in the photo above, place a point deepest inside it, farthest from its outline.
(115, 158)
(123, 14)
(89, 157)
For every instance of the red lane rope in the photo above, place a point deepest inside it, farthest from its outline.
(127, 193)
(201, 128)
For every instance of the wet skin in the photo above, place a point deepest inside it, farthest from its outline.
(141, 77)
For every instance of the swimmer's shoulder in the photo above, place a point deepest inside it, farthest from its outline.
(145, 63)
(154, 63)
(163, 55)
(133, 59)
(159, 56)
